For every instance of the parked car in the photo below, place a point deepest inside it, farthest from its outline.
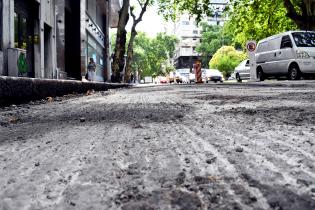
(232, 77)
(178, 78)
(242, 71)
(163, 80)
(192, 77)
(172, 77)
(160, 80)
(212, 75)
(182, 75)
(291, 53)
(185, 78)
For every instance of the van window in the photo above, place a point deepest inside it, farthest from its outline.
(304, 39)
(286, 42)
(262, 47)
(247, 63)
(274, 44)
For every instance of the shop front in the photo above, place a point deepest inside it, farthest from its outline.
(25, 13)
(95, 51)
(95, 47)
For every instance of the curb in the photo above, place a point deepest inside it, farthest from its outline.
(17, 89)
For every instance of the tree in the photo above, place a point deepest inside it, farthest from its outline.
(212, 38)
(226, 59)
(151, 54)
(133, 34)
(170, 8)
(302, 12)
(120, 46)
(255, 20)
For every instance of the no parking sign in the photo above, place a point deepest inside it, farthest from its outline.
(251, 46)
(251, 49)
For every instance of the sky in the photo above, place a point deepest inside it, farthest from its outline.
(151, 23)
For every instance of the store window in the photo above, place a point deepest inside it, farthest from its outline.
(20, 31)
(95, 51)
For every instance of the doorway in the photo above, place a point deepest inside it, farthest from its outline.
(73, 41)
(48, 52)
(24, 23)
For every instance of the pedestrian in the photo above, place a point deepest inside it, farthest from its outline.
(91, 70)
(131, 78)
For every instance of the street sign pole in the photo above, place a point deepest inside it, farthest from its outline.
(251, 50)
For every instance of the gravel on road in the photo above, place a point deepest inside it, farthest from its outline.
(163, 147)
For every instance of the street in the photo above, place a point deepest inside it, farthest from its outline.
(210, 146)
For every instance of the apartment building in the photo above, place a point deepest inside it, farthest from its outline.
(54, 39)
(189, 34)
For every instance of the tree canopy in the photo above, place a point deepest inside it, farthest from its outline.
(226, 59)
(255, 20)
(151, 54)
(301, 12)
(212, 38)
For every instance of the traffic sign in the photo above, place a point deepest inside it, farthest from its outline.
(251, 46)
(251, 49)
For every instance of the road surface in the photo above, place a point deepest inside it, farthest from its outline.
(248, 146)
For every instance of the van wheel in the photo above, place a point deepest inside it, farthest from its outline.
(238, 78)
(260, 75)
(294, 73)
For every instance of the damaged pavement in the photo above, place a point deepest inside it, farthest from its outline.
(187, 147)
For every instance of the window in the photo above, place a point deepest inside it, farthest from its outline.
(286, 42)
(304, 39)
(195, 31)
(186, 49)
(185, 23)
(274, 44)
(262, 47)
(20, 31)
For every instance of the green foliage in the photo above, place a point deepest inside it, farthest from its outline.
(151, 54)
(226, 59)
(212, 39)
(258, 19)
(170, 8)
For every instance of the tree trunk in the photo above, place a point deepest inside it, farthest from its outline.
(132, 38)
(305, 20)
(130, 54)
(120, 46)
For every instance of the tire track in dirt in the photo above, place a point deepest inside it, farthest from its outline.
(285, 167)
(158, 178)
(226, 167)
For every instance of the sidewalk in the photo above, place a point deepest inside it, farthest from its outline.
(18, 89)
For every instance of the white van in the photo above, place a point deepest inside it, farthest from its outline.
(291, 53)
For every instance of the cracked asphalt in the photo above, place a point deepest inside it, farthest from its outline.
(186, 147)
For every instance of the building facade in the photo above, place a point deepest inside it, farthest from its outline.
(189, 34)
(54, 39)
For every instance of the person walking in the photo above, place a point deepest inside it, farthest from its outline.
(91, 70)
